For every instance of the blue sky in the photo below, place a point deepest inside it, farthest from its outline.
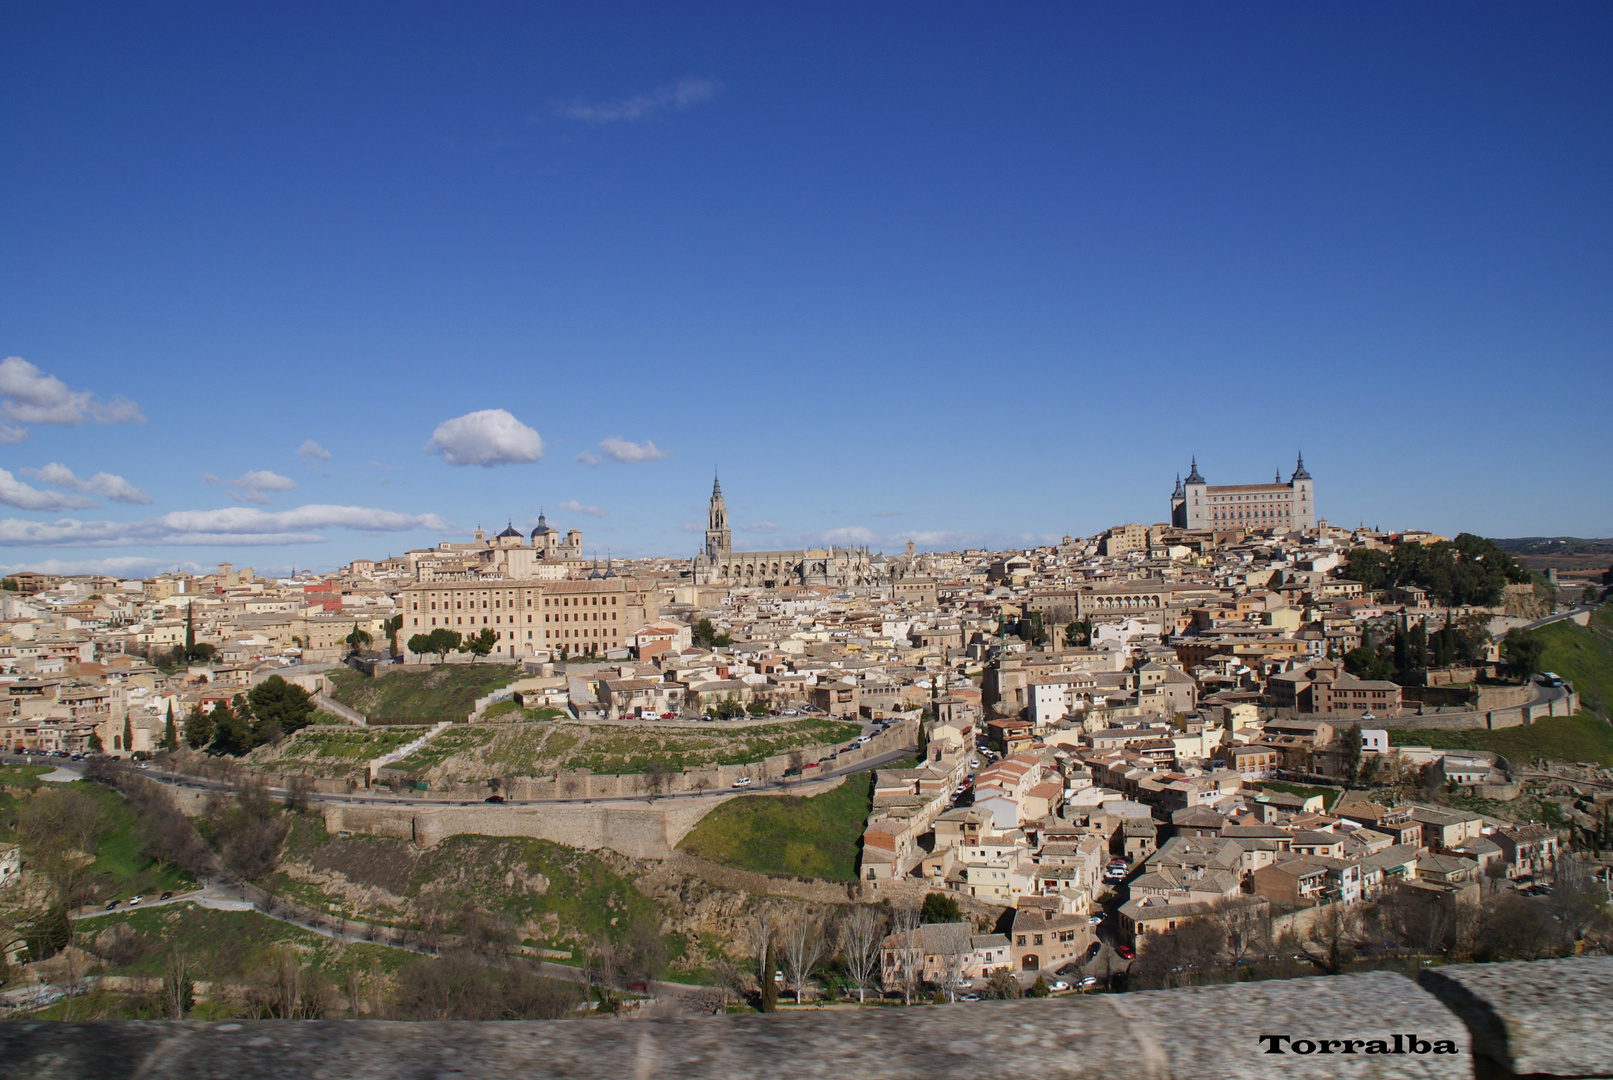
(962, 274)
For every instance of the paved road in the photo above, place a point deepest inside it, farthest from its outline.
(1549, 619)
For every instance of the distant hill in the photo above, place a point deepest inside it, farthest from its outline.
(1555, 546)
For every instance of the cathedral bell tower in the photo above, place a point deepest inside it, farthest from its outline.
(719, 542)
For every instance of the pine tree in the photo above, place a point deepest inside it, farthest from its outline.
(190, 630)
(170, 737)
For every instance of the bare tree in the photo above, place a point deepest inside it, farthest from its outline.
(178, 989)
(953, 962)
(861, 935)
(1334, 929)
(909, 951)
(803, 949)
(759, 937)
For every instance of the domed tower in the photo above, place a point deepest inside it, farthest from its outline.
(719, 541)
(545, 538)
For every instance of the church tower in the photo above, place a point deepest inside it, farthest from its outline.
(719, 541)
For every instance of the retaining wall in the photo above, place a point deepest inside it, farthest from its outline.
(1546, 1018)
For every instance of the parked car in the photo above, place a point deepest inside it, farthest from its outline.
(968, 997)
(110, 904)
(1092, 951)
(1094, 920)
(167, 895)
(743, 781)
(494, 799)
(135, 899)
(1125, 952)
(1087, 983)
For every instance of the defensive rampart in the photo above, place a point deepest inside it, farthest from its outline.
(1546, 1018)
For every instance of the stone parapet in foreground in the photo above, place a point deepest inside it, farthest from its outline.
(1543, 1018)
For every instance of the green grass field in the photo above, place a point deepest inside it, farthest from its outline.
(1560, 738)
(1584, 656)
(784, 834)
(445, 692)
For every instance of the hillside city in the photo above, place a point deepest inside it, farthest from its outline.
(1239, 743)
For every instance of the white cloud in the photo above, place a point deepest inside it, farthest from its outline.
(590, 460)
(104, 484)
(850, 534)
(250, 487)
(758, 527)
(572, 506)
(674, 97)
(630, 452)
(29, 396)
(235, 525)
(14, 492)
(312, 451)
(488, 437)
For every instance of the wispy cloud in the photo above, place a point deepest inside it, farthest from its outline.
(104, 484)
(757, 527)
(29, 396)
(572, 506)
(250, 487)
(238, 525)
(590, 460)
(673, 97)
(118, 565)
(487, 437)
(631, 452)
(312, 451)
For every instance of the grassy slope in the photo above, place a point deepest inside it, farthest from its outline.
(226, 944)
(582, 896)
(120, 865)
(785, 834)
(1561, 738)
(611, 749)
(1583, 656)
(444, 692)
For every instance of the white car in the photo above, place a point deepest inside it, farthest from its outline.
(743, 781)
(1057, 985)
(974, 763)
(1094, 920)
(133, 900)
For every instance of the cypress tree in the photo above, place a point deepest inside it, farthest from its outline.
(170, 737)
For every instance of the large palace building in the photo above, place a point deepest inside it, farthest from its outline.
(1196, 504)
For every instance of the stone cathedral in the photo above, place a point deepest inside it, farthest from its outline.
(720, 564)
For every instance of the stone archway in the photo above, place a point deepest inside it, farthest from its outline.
(1031, 963)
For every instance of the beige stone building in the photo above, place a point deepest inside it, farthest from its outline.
(530, 617)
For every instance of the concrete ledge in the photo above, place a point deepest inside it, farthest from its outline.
(1553, 1014)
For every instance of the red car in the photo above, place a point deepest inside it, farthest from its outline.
(1125, 952)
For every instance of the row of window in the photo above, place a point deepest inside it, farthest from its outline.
(563, 601)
